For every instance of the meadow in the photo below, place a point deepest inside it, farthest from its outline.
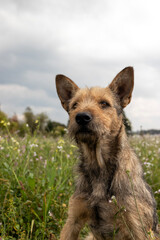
(36, 181)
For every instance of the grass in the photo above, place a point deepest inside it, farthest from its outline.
(36, 179)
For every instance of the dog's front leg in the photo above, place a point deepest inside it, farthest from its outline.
(78, 214)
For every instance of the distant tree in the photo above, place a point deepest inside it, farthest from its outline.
(3, 120)
(127, 124)
(49, 126)
(42, 121)
(14, 118)
(14, 123)
(30, 118)
(3, 116)
(55, 128)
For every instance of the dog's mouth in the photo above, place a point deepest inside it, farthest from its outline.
(84, 130)
(84, 134)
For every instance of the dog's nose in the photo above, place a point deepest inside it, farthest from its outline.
(83, 118)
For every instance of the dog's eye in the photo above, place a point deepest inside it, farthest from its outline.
(104, 104)
(74, 106)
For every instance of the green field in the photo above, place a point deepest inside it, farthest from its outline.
(36, 181)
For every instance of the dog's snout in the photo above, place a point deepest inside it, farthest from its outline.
(83, 118)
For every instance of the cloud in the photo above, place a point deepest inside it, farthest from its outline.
(89, 41)
(19, 97)
(145, 113)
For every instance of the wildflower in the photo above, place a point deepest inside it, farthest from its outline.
(13, 140)
(50, 214)
(33, 145)
(66, 130)
(64, 205)
(2, 121)
(45, 163)
(148, 164)
(59, 147)
(73, 146)
(27, 125)
(34, 154)
(1, 148)
(36, 121)
(158, 191)
(148, 172)
(61, 141)
(113, 197)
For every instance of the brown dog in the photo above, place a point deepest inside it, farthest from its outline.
(111, 195)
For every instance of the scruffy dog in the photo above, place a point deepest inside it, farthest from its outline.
(111, 195)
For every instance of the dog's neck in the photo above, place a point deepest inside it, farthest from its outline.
(98, 165)
(104, 149)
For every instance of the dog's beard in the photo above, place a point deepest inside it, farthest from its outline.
(84, 134)
(90, 134)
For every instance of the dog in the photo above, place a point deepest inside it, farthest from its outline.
(111, 195)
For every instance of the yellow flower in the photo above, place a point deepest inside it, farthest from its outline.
(64, 205)
(73, 146)
(61, 141)
(70, 183)
(36, 121)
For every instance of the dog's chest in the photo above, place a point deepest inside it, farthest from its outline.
(96, 182)
(102, 220)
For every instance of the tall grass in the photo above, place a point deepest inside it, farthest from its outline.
(35, 185)
(36, 181)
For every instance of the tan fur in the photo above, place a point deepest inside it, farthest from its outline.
(111, 195)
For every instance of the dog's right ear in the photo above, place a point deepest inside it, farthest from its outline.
(66, 89)
(122, 85)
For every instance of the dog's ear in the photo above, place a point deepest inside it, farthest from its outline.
(66, 89)
(122, 85)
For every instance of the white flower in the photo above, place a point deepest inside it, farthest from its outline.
(45, 163)
(59, 147)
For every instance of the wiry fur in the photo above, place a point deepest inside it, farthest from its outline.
(108, 166)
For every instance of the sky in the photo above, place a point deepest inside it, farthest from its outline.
(89, 41)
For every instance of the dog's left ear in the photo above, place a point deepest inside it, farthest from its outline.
(66, 89)
(122, 85)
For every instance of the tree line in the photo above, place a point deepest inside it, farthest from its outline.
(32, 122)
(40, 123)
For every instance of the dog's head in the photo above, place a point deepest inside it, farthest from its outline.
(96, 111)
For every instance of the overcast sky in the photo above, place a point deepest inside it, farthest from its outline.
(89, 41)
